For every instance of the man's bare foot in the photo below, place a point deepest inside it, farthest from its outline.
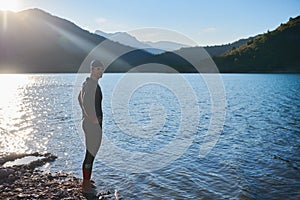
(88, 187)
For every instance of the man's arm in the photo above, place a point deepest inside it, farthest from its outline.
(88, 105)
(80, 100)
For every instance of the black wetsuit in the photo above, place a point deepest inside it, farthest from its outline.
(90, 100)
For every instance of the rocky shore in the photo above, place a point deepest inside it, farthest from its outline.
(26, 182)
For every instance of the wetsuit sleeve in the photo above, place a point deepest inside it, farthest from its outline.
(98, 104)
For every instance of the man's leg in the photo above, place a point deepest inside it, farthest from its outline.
(87, 171)
(93, 137)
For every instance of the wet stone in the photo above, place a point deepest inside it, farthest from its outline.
(19, 189)
(24, 182)
(21, 195)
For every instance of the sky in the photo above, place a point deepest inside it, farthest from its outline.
(205, 22)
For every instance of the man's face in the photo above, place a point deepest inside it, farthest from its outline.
(98, 71)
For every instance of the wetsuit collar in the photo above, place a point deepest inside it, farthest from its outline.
(92, 80)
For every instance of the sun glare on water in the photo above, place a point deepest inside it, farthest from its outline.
(9, 5)
(14, 131)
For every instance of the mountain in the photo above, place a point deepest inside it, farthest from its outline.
(103, 34)
(166, 45)
(124, 38)
(163, 46)
(36, 41)
(218, 50)
(151, 47)
(276, 51)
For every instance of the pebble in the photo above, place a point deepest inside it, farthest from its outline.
(24, 182)
(5, 172)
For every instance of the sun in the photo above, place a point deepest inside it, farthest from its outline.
(9, 5)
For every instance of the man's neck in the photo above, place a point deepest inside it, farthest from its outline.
(94, 78)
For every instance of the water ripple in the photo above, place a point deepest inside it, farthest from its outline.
(256, 157)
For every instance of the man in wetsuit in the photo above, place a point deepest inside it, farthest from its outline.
(90, 100)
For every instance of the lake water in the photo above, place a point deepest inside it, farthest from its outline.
(157, 125)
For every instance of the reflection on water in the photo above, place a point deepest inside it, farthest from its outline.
(35, 116)
(26, 109)
(15, 114)
(22, 161)
(256, 157)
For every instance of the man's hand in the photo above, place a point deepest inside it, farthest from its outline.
(93, 119)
